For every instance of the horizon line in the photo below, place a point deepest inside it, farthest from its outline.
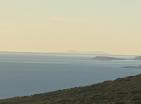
(77, 52)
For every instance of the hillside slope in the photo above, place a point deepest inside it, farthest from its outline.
(121, 91)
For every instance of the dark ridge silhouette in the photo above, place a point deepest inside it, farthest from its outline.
(120, 91)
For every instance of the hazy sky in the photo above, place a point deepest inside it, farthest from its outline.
(112, 26)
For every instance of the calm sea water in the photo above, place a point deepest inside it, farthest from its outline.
(26, 74)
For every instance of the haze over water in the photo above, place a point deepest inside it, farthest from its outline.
(111, 26)
(25, 74)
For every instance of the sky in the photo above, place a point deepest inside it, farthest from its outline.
(111, 26)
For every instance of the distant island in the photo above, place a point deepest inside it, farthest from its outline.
(106, 58)
(121, 91)
(136, 67)
(137, 58)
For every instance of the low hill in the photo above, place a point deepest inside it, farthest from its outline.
(137, 58)
(120, 91)
(106, 58)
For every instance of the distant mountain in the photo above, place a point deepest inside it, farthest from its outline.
(121, 91)
(106, 58)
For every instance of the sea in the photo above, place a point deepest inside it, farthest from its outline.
(23, 74)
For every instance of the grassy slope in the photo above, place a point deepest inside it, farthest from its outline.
(121, 91)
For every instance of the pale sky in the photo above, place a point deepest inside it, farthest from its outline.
(112, 26)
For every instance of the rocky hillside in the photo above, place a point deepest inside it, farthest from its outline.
(121, 91)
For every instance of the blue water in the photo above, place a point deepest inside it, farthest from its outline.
(26, 74)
